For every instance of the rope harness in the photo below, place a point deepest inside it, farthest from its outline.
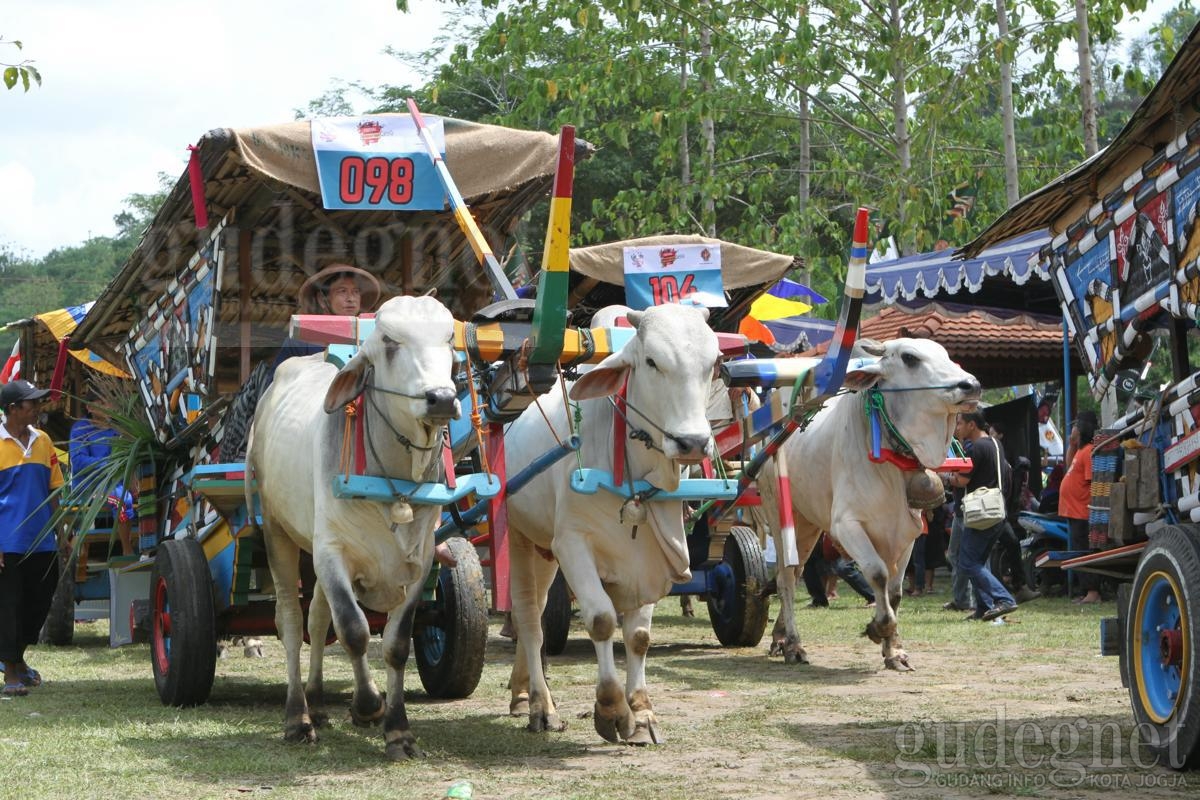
(881, 426)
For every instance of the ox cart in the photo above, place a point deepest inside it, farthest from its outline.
(203, 300)
(1124, 261)
(200, 304)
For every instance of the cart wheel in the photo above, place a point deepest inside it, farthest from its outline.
(1163, 652)
(449, 651)
(59, 629)
(183, 628)
(556, 618)
(737, 612)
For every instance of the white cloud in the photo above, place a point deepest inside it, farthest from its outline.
(128, 84)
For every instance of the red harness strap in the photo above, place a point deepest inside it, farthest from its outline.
(889, 456)
(360, 451)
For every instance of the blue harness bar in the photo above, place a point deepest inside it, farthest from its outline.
(590, 481)
(367, 487)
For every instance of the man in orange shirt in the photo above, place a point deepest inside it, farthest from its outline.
(1075, 493)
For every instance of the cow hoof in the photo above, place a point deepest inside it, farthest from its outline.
(898, 662)
(301, 732)
(403, 749)
(545, 723)
(795, 655)
(645, 732)
(365, 719)
(613, 724)
(319, 719)
(776, 648)
(519, 707)
(606, 727)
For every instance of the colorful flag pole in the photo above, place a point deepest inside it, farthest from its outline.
(462, 214)
(550, 313)
(832, 370)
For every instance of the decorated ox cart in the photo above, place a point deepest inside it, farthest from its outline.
(207, 296)
(203, 301)
(1125, 260)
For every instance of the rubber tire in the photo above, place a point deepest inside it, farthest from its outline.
(1169, 568)
(740, 618)
(450, 656)
(556, 617)
(183, 657)
(59, 628)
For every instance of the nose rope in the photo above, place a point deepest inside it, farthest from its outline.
(409, 444)
(642, 435)
(379, 388)
(914, 388)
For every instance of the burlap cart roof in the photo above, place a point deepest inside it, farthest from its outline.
(265, 177)
(740, 266)
(598, 275)
(484, 159)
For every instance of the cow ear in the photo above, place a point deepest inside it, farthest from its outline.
(603, 380)
(635, 318)
(347, 384)
(861, 373)
(868, 347)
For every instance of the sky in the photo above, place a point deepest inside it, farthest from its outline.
(128, 84)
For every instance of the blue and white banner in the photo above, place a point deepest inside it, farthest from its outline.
(378, 163)
(674, 273)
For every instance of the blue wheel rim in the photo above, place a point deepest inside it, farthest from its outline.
(1157, 610)
(723, 590)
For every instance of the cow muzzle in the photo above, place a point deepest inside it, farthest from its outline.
(687, 449)
(968, 393)
(442, 404)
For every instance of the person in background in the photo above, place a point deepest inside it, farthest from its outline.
(1075, 493)
(90, 447)
(1009, 542)
(828, 560)
(29, 472)
(992, 600)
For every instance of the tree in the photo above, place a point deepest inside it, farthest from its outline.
(22, 72)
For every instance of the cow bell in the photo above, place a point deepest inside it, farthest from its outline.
(401, 513)
(633, 512)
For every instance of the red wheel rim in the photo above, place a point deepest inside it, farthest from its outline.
(161, 628)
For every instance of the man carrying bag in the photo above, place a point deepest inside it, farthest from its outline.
(983, 515)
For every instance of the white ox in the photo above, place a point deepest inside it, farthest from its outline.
(614, 568)
(363, 551)
(862, 504)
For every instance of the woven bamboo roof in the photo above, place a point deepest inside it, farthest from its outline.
(278, 232)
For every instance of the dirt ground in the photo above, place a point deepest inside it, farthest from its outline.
(1025, 708)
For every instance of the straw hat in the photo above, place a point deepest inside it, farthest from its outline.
(368, 286)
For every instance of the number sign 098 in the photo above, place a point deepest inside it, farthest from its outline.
(377, 176)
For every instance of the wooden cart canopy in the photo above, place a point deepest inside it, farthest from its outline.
(263, 181)
(1170, 108)
(598, 277)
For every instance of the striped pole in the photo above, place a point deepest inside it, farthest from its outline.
(483, 251)
(827, 376)
(832, 370)
(550, 313)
